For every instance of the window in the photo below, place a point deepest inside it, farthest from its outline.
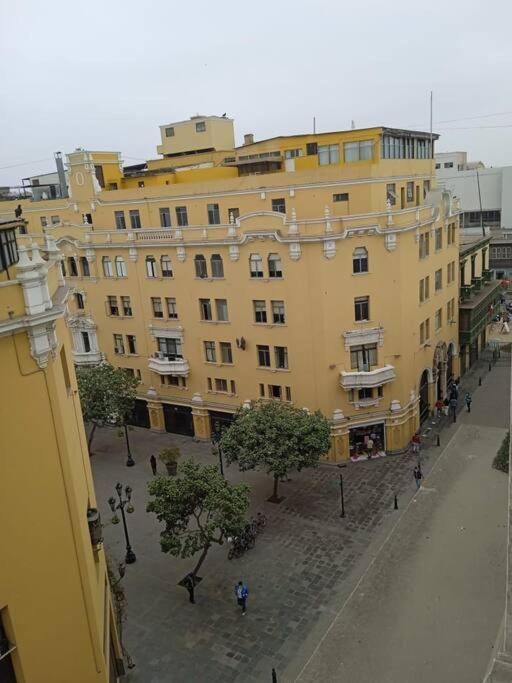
(44, 221)
(424, 289)
(438, 319)
(233, 214)
(410, 191)
(112, 307)
(450, 276)
(281, 357)
(120, 266)
(448, 164)
(132, 343)
(205, 309)
(274, 391)
(226, 355)
(150, 266)
(360, 260)
(200, 266)
(391, 193)
(200, 126)
(107, 267)
(84, 264)
(169, 132)
(424, 244)
(221, 384)
(170, 348)
(112, 186)
(426, 188)
(422, 333)
(278, 317)
(292, 153)
(181, 216)
(55, 220)
(438, 166)
(135, 219)
(86, 342)
(209, 383)
(172, 380)
(341, 197)
(260, 311)
(222, 309)
(166, 266)
(217, 265)
(126, 306)
(427, 329)
(210, 352)
(263, 356)
(233, 386)
(274, 266)
(165, 217)
(141, 183)
(256, 265)
(362, 308)
(363, 357)
(279, 205)
(79, 300)
(288, 393)
(450, 311)
(213, 214)
(358, 151)
(311, 148)
(62, 263)
(120, 220)
(438, 279)
(328, 154)
(73, 268)
(172, 311)
(262, 390)
(118, 344)
(156, 305)
(439, 238)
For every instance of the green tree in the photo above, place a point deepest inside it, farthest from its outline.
(199, 508)
(277, 438)
(501, 458)
(107, 396)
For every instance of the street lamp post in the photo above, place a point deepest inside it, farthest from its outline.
(130, 462)
(120, 505)
(216, 441)
(342, 494)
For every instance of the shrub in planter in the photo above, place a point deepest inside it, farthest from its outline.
(169, 456)
(500, 461)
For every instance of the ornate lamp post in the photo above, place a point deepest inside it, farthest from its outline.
(120, 505)
(216, 442)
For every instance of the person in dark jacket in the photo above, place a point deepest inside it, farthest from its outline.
(152, 462)
(241, 592)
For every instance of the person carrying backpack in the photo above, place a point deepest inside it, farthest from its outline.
(241, 592)
(468, 400)
(418, 476)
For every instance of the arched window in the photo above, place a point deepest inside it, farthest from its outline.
(107, 267)
(200, 264)
(217, 266)
(166, 266)
(84, 264)
(120, 266)
(79, 299)
(275, 268)
(360, 260)
(150, 266)
(73, 268)
(256, 265)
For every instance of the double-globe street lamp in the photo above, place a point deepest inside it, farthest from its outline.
(120, 505)
(216, 442)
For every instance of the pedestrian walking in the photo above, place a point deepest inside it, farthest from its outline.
(439, 407)
(369, 447)
(152, 462)
(418, 476)
(453, 407)
(468, 400)
(446, 406)
(241, 592)
(415, 443)
(190, 585)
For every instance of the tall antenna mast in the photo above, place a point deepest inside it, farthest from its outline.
(314, 125)
(431, 141)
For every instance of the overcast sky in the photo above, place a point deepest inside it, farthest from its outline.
(104, 74)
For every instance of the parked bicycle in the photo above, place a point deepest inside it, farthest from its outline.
(246, 539)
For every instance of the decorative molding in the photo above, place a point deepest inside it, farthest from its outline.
(371, 335)
(181, 254)
(234, 252)
(295, 251)
(391, 241)
(329, 248)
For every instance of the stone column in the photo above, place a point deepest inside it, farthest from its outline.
(339, 449)
(156, 412)
(201, 417)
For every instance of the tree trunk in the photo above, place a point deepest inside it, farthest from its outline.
(201, 560)
(90, 438)
(276, 485)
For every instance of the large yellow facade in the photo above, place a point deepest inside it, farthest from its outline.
(56, 617)
(345, 235)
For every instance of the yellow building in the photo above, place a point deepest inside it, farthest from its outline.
(319, 269)
(56, 617)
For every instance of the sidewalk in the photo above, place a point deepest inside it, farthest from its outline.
(429, 603)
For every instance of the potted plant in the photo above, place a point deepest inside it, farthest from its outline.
(169, 456)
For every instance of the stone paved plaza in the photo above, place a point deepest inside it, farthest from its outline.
(302, 569)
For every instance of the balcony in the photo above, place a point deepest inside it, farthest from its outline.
(87, 358)
(167, 364)
(370, 379)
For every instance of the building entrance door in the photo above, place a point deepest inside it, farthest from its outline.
(424, 408)
(178, 419)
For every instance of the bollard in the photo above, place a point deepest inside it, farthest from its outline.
(438, 440)
(274, 676)
(396, 502)
(479, 381)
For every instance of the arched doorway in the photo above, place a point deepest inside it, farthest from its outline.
(439, 370)
(449, 368)
(423, 393)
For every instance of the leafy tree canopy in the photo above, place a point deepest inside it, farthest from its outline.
(198, 507)
(107, 394)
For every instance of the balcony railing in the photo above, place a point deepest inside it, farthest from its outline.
(169, 364)
(373, 378)
(84, 358)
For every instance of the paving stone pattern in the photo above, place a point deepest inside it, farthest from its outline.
(299, 568)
